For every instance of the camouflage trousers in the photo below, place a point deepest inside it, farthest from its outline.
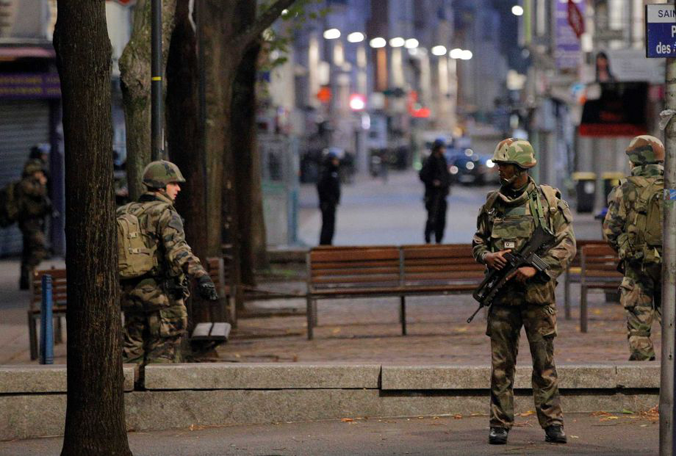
(504, 329)
(641, 297)
(154, 336)
(34, 246)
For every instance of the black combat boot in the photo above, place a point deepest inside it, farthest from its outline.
(498, 436)
(555, 434)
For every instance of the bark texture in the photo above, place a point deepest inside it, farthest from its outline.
(95, 419)
(135, 77)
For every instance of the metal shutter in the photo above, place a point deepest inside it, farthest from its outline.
(23, 123)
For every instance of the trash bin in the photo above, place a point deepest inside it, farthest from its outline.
(585, 188)
(610, 181)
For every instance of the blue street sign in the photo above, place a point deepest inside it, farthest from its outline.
(660, 30)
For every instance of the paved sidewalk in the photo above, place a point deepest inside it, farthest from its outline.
(595, 434)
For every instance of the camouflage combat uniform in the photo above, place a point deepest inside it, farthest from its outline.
(641, 289)
(506, 221)
(34, 206)
(155, 314)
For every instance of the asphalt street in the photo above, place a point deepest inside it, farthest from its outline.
(597, 434)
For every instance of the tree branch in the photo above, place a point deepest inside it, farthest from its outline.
(263, 21)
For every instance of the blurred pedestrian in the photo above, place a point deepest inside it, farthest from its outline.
(633, 228)
(33, 207)
(506, 221)
(437, 179)
(328, 188)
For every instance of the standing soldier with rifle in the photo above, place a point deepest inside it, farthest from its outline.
(633, 228)
(506, 224)
(434, 174)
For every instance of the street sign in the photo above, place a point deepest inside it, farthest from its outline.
(660, 30)
(575, 18)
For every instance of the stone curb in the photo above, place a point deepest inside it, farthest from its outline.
(45, 379)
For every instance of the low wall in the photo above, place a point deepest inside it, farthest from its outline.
(33, 399)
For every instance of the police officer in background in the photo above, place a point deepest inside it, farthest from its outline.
(153, 304)
(437, 179)
(328, 188)
(633, 228)
(506, 221)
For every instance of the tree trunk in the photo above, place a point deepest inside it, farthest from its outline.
(135, 81)
(95, 419)
(247, 168)
(184, 135)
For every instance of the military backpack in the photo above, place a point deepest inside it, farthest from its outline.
(644, 221)
(9, 205)
(136, 251)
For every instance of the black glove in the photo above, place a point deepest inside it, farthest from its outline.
(206, 288)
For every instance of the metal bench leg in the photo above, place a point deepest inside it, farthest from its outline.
(402, 314)
(58, 330)
(566, 295)
(232, 311)
(310, 317)
(33, 336)
(315, 320)
(583, 308)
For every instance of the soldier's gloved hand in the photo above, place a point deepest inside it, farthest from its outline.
(206, 288)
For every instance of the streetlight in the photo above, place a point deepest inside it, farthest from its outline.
(466, 55)
(517, 10)
(355, 37)
(411, 43)
(332, 34)
(377, 43)
(456, 53)
(439, 50)
(397, 42)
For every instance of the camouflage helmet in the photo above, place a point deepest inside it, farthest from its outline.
(645, 149)
(160, 173)
(516, 152)
(33, 166)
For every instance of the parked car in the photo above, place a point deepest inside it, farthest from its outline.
(469, 168)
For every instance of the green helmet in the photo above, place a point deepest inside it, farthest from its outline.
(645, 149)
(160, 173)
(516, 152)
(33, 165)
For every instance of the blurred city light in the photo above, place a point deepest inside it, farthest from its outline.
(357, 102)
(469, 165)
(378, 43)
(439, 50)
(517, 10)
(332, 34)
(456, 53)
(397, 42)
(466, 55)
(355, 37)
(489, 163)
(411, 43)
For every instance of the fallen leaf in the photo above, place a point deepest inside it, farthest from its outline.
(596, 312)
(608, 418)
(600, 413)
(335, 331)
(528, 413)
(627, 412)
(574, 437)
(347, 420)
(457, 417)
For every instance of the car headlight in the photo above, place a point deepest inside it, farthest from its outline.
(469, 165)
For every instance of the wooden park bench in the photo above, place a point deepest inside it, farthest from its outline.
(573, 272)
(59, 298)
(359, 272)
(214, 331)
(598, 264)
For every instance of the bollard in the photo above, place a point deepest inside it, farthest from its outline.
(47, 323)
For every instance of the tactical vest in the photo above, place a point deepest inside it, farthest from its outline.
(644, 221)
(136, 240)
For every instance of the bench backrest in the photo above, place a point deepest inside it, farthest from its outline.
(599, 262)
(579, 245)
(353, 268)
(59, 287)
(440, 265)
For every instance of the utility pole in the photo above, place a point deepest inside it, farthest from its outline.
(667, 443)
(157, 135)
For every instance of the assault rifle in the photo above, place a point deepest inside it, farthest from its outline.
(528, 255)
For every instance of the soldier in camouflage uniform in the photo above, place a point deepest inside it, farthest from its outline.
(34, 205)
(641, 289)
(506, 221)
(155, 314)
